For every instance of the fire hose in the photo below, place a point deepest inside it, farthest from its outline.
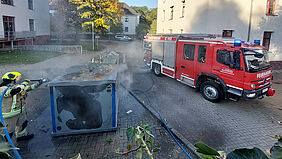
(162, 119)
(2, 120)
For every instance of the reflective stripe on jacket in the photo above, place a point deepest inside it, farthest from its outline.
(14, 105)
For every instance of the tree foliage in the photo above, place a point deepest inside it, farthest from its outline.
(116, 28)
(207, 152)
(141, 30)
(101, 12)
(148, 21)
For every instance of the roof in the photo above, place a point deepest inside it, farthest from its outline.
(128, 10)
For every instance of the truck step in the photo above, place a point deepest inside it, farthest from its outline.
(233, 97)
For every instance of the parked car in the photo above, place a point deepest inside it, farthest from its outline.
(123, 38)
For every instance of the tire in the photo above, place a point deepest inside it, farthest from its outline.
(157, 70)
(211, 91)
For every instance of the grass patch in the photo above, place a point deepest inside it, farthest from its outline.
(88, 47)
(25, 57)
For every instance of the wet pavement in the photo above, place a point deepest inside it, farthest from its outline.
(96, 145)
(224, 126)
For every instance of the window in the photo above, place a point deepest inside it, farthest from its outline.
(229, 58)
(270, 7)
(31, 24)
(266, 39)
(9, 2)
(188, 52)
(9, 26)
(202, 53)
(126, 19)
(126, 29)
(171, 12)
(227, 33)
(30, 4)
(223, 57)
(182, 9)
(163, 15)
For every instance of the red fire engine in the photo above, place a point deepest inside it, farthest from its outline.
(219, 69)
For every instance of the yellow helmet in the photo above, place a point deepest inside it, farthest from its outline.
(11, 75)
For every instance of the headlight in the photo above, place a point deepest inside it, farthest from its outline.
(253, 85)
(251, 95)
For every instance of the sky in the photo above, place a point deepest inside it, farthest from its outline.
(148, 3)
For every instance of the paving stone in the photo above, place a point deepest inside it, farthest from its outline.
(95, 145)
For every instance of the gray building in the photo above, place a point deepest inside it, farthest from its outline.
(129, 20)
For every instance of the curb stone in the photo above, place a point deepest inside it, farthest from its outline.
(178, 135)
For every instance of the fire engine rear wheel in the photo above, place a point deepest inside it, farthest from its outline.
(211, 91)
(157, 69)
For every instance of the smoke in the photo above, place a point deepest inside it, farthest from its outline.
(125, 76)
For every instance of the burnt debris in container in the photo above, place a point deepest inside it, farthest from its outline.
(86, 99)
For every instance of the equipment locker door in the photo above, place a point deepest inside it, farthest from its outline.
(187, 63)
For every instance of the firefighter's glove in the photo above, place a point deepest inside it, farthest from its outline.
(43, 80)
(17, 89)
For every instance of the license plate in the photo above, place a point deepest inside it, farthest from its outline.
(264, 90)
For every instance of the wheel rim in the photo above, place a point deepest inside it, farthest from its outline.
(211, 92)
(157, 70)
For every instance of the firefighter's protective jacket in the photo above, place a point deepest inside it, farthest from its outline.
(14, 105)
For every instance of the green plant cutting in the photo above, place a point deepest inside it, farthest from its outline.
(207, 152)
(142, 138)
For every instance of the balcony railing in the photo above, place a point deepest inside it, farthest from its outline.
(10, 35)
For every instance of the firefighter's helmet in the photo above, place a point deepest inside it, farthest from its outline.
(11, 76)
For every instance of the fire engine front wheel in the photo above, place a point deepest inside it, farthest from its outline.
(157, 69)
(211, 91)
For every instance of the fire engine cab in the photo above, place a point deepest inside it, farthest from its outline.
(220, 69)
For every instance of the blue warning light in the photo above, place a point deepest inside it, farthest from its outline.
(237, 42)
(257, 42)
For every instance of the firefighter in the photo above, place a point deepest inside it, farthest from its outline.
(13, 104)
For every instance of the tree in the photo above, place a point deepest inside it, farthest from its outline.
(148, 21)
(151, 15)
(142, 10)
(101, 12)
(142, 30)
(116, 28)
(153, 27)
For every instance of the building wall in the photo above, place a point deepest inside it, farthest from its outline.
(133, 21)
(213, 16)
(22, 14)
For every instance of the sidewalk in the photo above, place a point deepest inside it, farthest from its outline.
(98, 145)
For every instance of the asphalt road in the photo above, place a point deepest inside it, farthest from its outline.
(225, 126)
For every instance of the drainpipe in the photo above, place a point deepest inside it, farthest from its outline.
(250, 21)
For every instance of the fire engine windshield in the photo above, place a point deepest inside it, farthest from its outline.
(256, 60)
